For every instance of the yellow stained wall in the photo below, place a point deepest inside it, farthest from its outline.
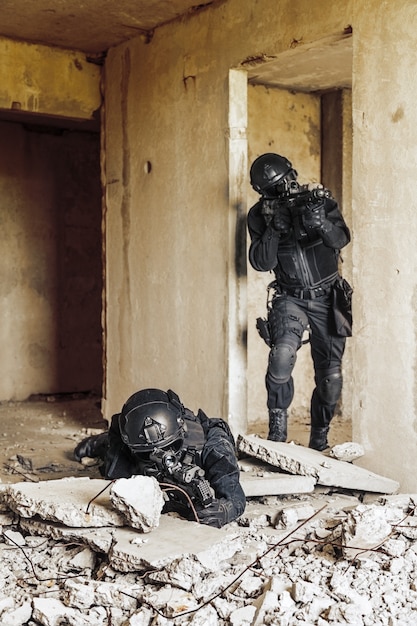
(48, 81)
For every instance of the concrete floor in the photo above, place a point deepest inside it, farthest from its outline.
(299, 429)
(38, 436)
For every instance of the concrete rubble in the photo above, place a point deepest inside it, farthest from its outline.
(73, 552)
(325, 470)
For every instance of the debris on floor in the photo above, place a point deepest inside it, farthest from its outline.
(335, 548)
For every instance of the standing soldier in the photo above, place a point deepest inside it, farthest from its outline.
(297, 232)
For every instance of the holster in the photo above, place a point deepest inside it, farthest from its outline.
(342, 307)
(262, 326)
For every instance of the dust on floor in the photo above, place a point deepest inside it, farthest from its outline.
(38, 436)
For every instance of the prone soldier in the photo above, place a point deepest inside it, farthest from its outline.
(192, 456)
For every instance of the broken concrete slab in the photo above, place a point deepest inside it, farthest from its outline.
(261, 479)
(140, 499)
(130, 550)
(98, 539)
(174, 538)
(75, 502)
(297, 459)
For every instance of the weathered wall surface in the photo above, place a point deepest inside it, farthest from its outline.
(167, 228)
(50, 264)
(385, 234)
(48, 81)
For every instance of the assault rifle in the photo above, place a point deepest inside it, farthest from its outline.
(181, 473)
(297, 200)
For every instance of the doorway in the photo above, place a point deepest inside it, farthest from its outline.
(298, 105)
(51, 262)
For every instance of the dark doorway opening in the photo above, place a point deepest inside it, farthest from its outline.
(51, 262)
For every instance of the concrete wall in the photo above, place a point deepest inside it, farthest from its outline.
(48, 81)
(169, 216)
(385, 234)
(50, 214)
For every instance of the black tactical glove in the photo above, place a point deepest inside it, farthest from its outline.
(276, 215)
(218, 513)
(92, 447)
(316, 219)
(282, 221)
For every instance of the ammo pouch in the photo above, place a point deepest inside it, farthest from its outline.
(342, 307)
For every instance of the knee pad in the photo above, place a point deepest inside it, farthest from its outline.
(281, 362)
(330, 387)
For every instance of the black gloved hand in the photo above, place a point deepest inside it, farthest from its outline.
(316, 219)
(92, 447)
(276, 215)
(218, 513)
(282, 221)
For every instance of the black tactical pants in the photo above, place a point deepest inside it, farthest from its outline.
(288, 318)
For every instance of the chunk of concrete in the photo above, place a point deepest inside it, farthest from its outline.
(75, 502)
(83, 594)
(260, 479)
(53, 612)
(348, 451)
(326, 471)
(368, 527)
(140, 499)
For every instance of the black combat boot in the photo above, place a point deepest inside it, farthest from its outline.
(93, 447)
(318, 438)
(278, 424)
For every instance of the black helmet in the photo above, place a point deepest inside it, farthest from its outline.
(269, 170)
(152, 419)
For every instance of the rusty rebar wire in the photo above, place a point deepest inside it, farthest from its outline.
(16, 471)
(98, 495)
(171, 487)
(32, 567)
